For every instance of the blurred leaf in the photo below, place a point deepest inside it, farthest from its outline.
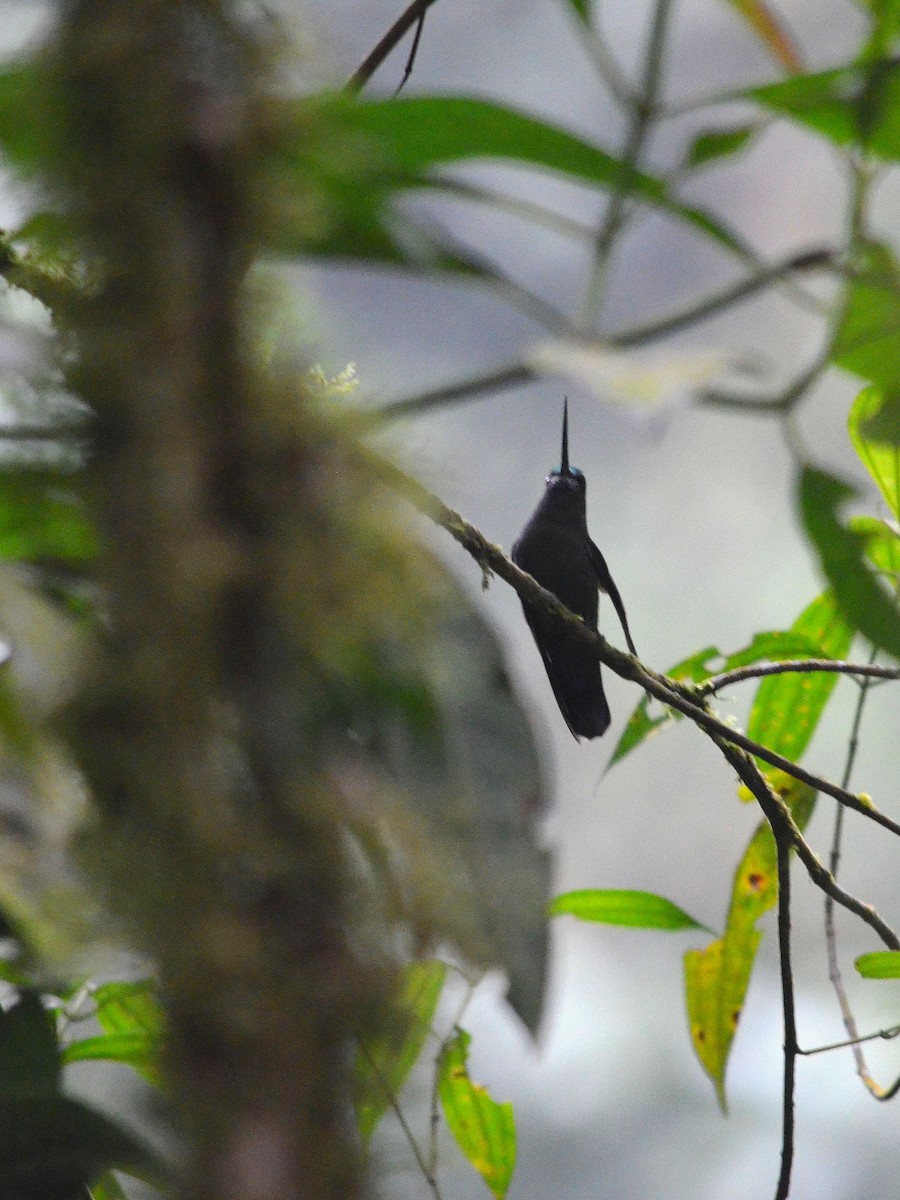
(107, 1187)
(716, 977)
(770, 30)
(132, 1018)
(41, 517)
(382, 1066)
(52, 1147)
(26, 119)
(485, 1131)
(395, 145)
(650, 380)
(868, 339)
(882, 544)
(860, 598)
(853, 105)
(773, 646)
(136, 1050)
(787, 708)
(130, 1007)
(642, 910)
(582, 10)
(29, 1055)
(716, 144)
(881, 964)
(880, 457)
(477, 799)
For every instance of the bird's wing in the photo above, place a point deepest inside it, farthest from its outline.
(607, 585)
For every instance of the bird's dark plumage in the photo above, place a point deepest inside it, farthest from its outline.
(556, 550)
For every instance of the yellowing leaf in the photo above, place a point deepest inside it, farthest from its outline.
(716, 977)
(770, 29)
(485, 1131)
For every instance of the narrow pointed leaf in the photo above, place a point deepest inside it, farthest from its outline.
(383, 1065)
(787, 708)
(853, 105)
(771, 31)
(716, 977)
(880, 455)
(641, 910)
(881, 964)
(484, 1130)
(861, 599)
(407, 139)
(136, 1050)
(716, 144)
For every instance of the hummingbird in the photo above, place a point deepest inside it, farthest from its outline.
(555, 548)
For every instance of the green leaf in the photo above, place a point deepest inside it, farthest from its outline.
(853, 105)
(881, 964)
(397, 145)
(717, 144)
(868, 339)
(485, 1131)
(787, 708)
(774, 645)
(383, 1065)
(132, 1019)
(41, 517)
(881, 458)
(882, 545)
(770, 30)
(130, 1007)
(136, 1050)
(29, 1054)
(642, 910)
(860, 598)
(716, 978)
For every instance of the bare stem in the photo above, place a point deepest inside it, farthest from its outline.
(800, 666)
(391, 39)
(783, 847)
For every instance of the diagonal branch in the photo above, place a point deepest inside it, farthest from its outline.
(736, 747)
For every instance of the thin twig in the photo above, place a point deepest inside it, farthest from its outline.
(512, 375)
(427, 1172)
(392, 38)
(884, 1035)
(783, 849)
(718, 302)
(643, 113)
(799, 666)
(410, 62)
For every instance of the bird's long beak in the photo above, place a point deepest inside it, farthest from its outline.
(564, 461)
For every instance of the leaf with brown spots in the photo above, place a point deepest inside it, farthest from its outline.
(716, 978)
(485, 1131)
